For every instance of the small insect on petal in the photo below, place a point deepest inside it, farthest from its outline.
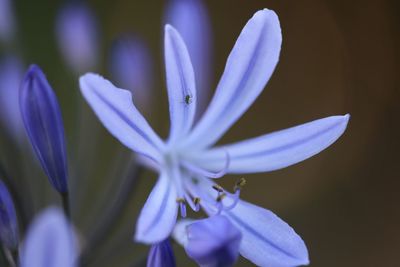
(42, 119)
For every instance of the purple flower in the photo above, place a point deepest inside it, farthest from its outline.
(161, 255)
(7, 21)
(9, 234)
(11, 74)
(131, 67)
(188, 159)
(213, 242)
(49, 242)
(76, 32)
(190, 18)
(43, 123)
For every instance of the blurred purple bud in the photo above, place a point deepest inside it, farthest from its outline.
(213, 242)
(7, 21)
(50, 242)
(8, 219)
(131, 67)
(190, 18)
(43, 123)
(77, 35)
(11, 73)
(161, 255)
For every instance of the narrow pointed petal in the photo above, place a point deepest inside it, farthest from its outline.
(77, 37)
(213, 242)
(50, 242)
(131, 67)
(247, 70)
(9, 234)
(7, 20)
(266, 239)
(11, 74)
(161, 255)
(180, 83)
(42, 119)
(191, 19)
(114, 108)
(276, 150)
(158, 216)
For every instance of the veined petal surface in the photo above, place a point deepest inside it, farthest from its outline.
(158, 216)
(247, 70)
(50, 242)
(180, 83)
(114, 108)
(191, 19)
(275, 150)
(266, 239)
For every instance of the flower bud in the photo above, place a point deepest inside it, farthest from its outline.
(42, 119)
(161, 255)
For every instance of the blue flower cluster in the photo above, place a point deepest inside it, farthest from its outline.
(188, 162)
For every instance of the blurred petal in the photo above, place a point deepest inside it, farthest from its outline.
(180, 83)
(114, 108)
(248, 69)
(158, 216)
(213, 242)
(77, 38)
(131, 67)
(180, 234)
(276, 150)
(7, 20)
(11, 74)
(49, 242)
(161, 255)
(42, 118)
(190, 18)
(267, 240)
(9, 234)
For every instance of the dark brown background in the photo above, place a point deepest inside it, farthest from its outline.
(337, 57)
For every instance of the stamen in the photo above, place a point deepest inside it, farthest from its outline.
(218, 188)
(220, 197)
(182, 206)
(197, 203)
(239, 184)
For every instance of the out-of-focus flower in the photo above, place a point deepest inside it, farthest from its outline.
(190, 18)
(43, 123)
(77, 35)
(7, 20)
(213, 242)
(49, 242)
(11, 73)
(188, 159)
(131, 67)
(9, 234)
(161, 255)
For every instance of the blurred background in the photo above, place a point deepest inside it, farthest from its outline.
(337, 57)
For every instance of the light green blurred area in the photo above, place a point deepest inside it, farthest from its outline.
(337, 57)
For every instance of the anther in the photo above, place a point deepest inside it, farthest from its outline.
(220, 197)
(218, 188)
(196, 201)
(239, 184)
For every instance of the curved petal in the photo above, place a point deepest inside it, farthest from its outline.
(266, 239)
(192, 21)
(249, 67)
(49, 242)
(114, 108)
(180, 83)
(161, 255)
(179, 233)
(158, 216)
(276, 150)
(42, 118)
